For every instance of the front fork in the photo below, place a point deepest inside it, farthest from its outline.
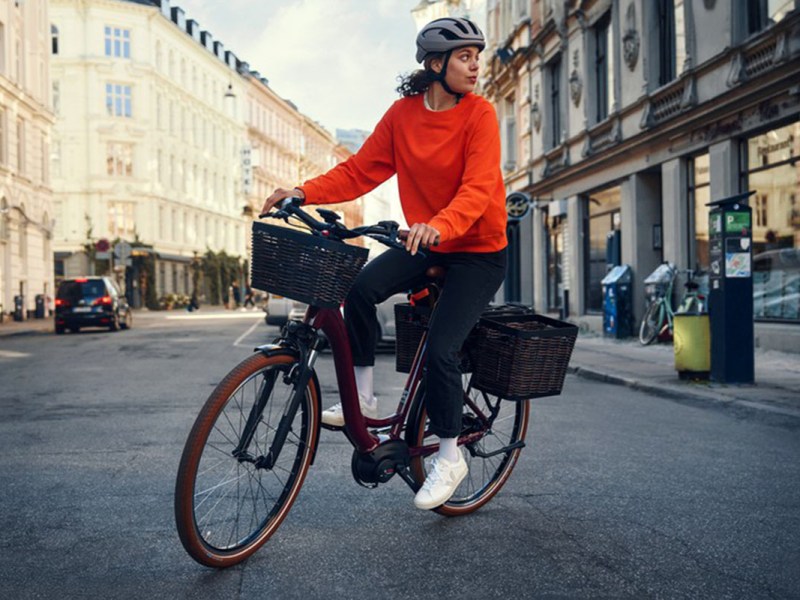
(299, 376)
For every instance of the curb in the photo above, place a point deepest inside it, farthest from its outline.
(742, 408)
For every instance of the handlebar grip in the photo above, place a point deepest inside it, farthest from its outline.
(402, 235)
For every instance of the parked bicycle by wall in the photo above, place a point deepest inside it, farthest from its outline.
(659, 287)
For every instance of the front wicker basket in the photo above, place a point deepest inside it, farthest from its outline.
(518, 357)
(303, 267)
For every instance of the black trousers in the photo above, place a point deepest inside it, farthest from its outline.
(470, 284)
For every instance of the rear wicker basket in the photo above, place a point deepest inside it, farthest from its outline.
(303, 267)
(523, 356)
(410, 323)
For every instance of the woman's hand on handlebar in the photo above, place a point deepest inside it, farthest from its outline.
(279, 195)
(421, 235)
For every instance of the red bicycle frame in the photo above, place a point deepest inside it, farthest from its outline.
(331, 323)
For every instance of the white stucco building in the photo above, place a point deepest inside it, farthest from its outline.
(26, 119)
(148, 140)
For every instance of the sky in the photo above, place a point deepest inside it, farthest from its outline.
(336, 60)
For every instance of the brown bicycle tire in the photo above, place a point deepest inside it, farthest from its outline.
(501, 475)
(190, 537)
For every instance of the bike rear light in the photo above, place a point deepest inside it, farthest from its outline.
(423, 293)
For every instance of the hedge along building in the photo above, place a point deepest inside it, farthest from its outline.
(621, 119)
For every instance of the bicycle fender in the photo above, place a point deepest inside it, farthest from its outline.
(276, 349)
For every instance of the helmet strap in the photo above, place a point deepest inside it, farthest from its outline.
(443, 74)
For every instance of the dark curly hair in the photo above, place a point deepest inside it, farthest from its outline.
(417, 82)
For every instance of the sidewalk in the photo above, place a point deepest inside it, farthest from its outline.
(652, 369)
(776, 390)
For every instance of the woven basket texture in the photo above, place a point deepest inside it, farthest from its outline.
(303, 267)
(519, 357)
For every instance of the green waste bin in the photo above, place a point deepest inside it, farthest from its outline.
(692, 344)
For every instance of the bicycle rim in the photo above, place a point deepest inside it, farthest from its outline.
(226, 508)
(501, 423)
(651, 323)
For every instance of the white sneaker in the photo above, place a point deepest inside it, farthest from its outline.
(443, 478)
(334, 416)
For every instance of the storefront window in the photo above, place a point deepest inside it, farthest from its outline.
(556, 233)
(773, 173)
(603, 220)
(699, 196)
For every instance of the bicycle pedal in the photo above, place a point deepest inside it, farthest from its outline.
(331, 427)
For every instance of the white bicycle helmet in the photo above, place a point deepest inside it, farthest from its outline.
(446, 34)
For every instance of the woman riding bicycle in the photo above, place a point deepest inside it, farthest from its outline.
(443, 143)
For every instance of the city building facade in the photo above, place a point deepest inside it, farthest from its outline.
(26, 196)
(621, 119)
(165, 145)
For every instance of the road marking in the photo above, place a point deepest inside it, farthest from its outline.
(12, 354)
(239, 315)
(246, 333)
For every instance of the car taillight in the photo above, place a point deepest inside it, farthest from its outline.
(104, 301)
(61, 302)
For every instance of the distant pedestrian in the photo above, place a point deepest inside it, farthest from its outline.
(248, 297)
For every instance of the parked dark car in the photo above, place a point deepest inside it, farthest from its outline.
(91, 302)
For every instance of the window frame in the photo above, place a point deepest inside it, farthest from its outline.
(555, 100)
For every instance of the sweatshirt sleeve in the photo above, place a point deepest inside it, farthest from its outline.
(364, 171)
(481, 172)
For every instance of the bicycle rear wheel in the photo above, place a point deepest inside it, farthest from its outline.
(226, 507)
(495, 425)
(651, 323)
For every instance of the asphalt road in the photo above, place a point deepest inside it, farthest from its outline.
(618, 494)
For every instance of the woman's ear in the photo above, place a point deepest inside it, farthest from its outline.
(436, 65)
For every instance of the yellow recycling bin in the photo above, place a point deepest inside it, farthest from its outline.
(692, 343)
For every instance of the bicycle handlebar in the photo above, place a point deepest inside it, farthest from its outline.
(387, 233)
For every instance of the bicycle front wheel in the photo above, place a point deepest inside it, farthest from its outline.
(496, 428)
(228, 499)
(651, 323)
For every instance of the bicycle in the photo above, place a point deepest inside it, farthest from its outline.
(256, 437)
(659, 317)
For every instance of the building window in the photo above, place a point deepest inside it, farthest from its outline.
(119, 159)
(2, 48)
(557, 231)
(55, 159)
(118, 42)
(554, 100)
(3, 136)
(603, 68)
(510, 134)
(671, 39)
(121, 223)
(604, 223)
(56, 97)
(772, 172)
(760, 14)
(54, 38)
(699, 195)
(21, 146)
(118, 100)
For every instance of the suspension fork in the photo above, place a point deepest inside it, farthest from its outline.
(301, 374)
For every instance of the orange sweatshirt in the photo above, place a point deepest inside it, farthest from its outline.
(448, 171)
